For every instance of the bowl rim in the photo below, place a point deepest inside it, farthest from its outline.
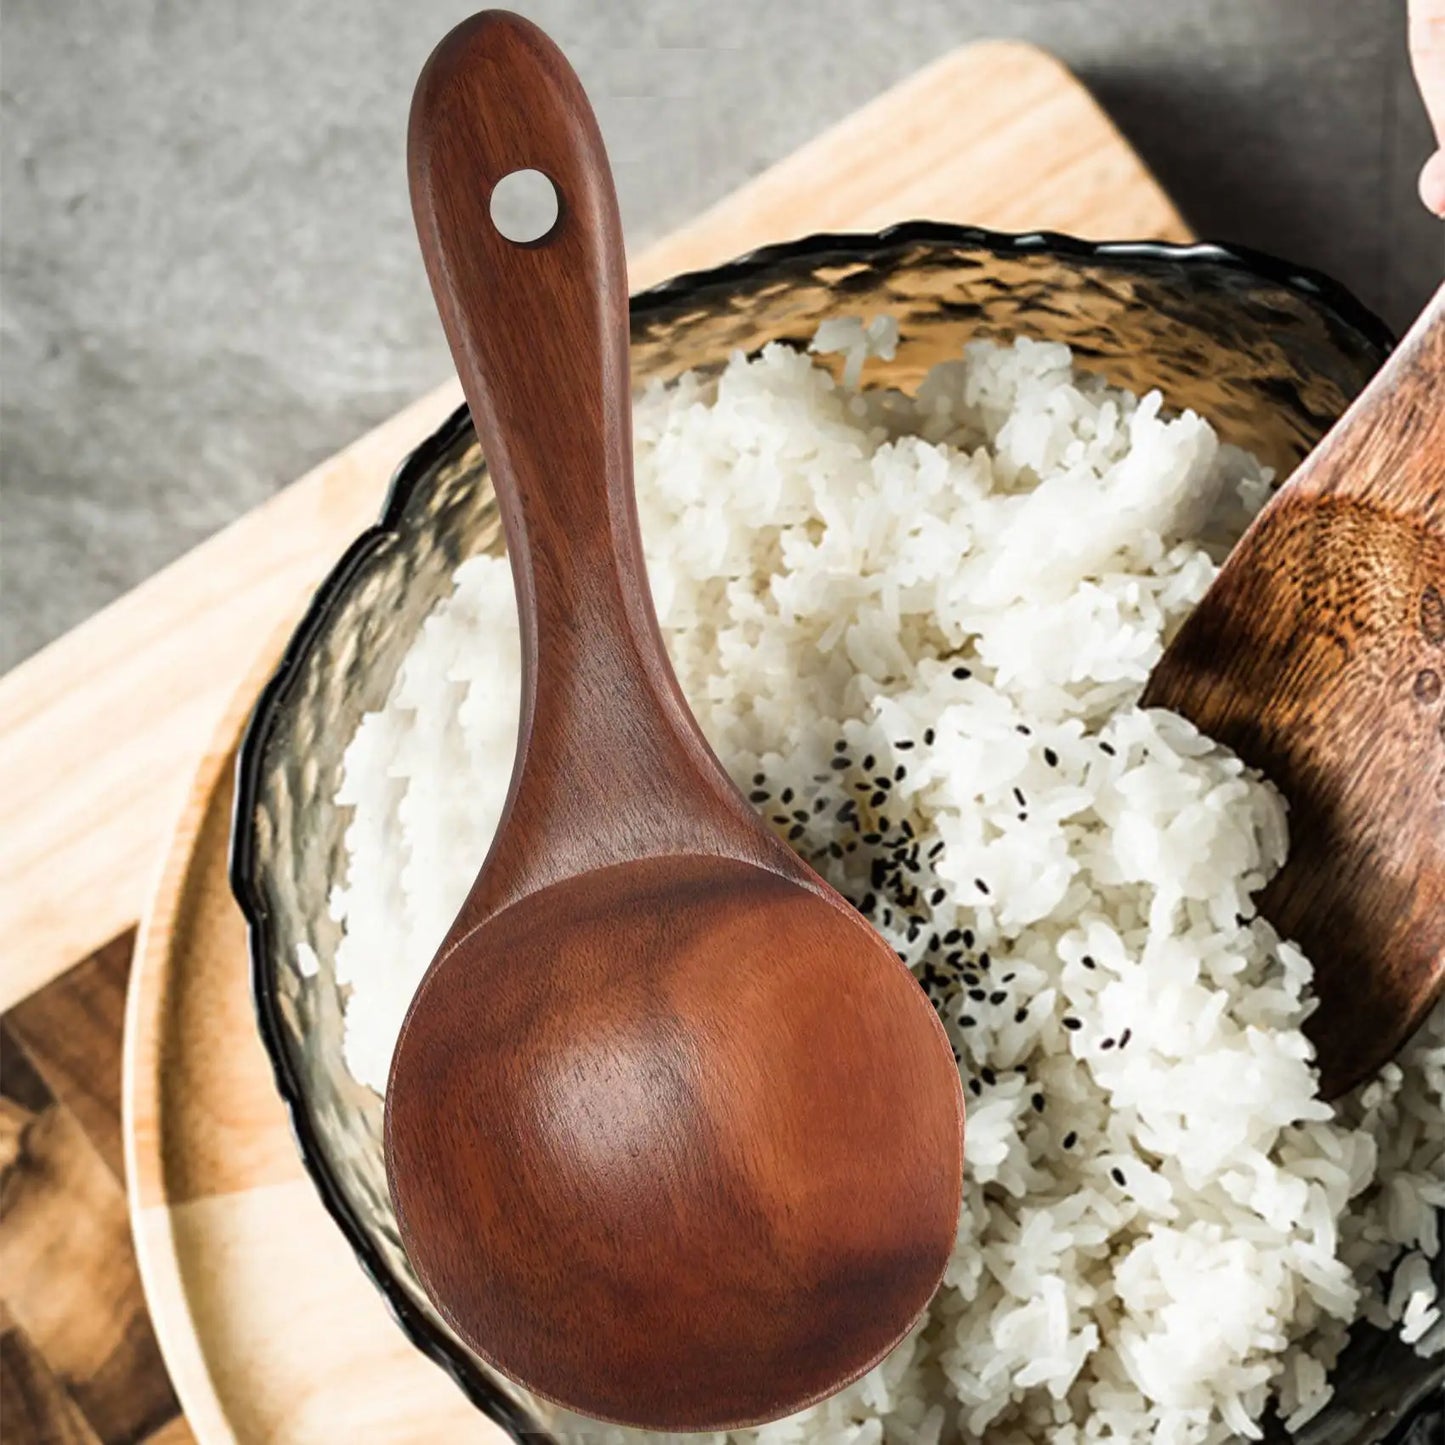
(660, 300)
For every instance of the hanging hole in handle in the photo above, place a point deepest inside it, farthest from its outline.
(524, 206)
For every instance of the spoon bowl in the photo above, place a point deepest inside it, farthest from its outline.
(649, 1114)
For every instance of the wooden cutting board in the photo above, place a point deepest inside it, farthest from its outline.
(269, 1328)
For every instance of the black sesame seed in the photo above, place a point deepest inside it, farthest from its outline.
(834, 851)
(1008, 978)
(795, 832)
(878, 799)
(997, 997)
(953, 959)
(933, 942)
(934, 851)
(1106, 1044)
(966, 1021)
(928, 737)
(887, 917)
(1073, 1025)
(883, 822)
(985, 962)
(800, 815)
(869, 763)
(952, 936)
(758, 795)
(907, 828)
(937, 896)
(978, 995)
(882, 781)
(1117, 1175)
(1125, 1037)
(961, 673)
(1088, 961)
(839, 765)
(1024, 728)
(1038, 1102)
(1021, 1014)
(819, 804)
(989, 1077)
(903, 744)
(1018, 797)
(841, 746)
(1070, 1139)
(786, 796)
(759, 779)
(968, 938)
(975, 1088)
(899, 773)
(1107, 748)
(980, 885)
(851, 848)
(1051, 757)
(872, 839)
(970, 978)
(869, 903)
(781, 819)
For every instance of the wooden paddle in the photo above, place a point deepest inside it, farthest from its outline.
(1318, 655)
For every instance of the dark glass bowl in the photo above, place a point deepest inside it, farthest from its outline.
(1269, 354)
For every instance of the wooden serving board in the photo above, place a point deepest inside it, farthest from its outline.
(270, 1330)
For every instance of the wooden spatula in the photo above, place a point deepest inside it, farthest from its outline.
(1318, 655)
(673, 1136)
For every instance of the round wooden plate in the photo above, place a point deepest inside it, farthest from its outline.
(269, 1328)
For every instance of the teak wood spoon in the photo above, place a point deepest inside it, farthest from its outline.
(1318, 655)
(674, 1138)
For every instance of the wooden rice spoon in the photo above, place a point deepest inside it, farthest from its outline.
(673, 1136)
(1318, 655)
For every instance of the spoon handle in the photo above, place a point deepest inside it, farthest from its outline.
(610, 763)
(1389, 447)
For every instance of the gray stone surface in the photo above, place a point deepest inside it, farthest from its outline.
(210, 280)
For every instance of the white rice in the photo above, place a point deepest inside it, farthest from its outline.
(1163, 1226)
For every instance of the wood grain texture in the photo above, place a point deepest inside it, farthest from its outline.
(33, 1403)
(1318, 655)
(998, 134)
(100, 732)
(654, 1045)
(72, 1038)
(78, 1359)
